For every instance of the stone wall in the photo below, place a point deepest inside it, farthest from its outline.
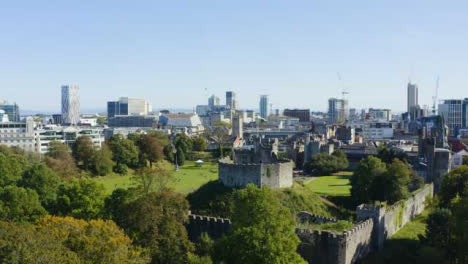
(388, 220)
(213, 226)
(324, 247)
(306, 217)
(274, 175)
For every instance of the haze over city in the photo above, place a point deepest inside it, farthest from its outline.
(176, 54)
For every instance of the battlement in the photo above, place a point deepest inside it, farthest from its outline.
(358, 227)
(215, 227)
(313, 218)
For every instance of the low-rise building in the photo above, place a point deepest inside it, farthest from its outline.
(19, 134)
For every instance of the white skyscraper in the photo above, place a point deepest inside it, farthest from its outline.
(70, 104)
(412, 96)
(264, 106)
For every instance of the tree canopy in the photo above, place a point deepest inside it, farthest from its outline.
(262, 230)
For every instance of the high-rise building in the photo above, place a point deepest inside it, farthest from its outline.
(412, 97)
(213, 101)
(454, 112)
(11, 110)
(128, 106)
(337, 110)
(302, 114)
(231, 100)
(264, 106)
(70, 104)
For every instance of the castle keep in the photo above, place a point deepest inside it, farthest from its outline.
(257, 164)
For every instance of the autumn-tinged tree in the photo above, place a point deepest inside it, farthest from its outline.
(156, 221)
(151, 149)
(155, 178)
(95, 241)
(59, 159)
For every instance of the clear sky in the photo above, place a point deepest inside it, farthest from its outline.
(176, 53)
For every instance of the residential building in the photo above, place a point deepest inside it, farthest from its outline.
(70, 104)
(128, 106)
(18, 134)
(337, 110)
(12, 110)
(302, 114)
(264, 106)
(66, 135)
(454, 113)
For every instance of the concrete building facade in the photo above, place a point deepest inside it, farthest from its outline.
(70, 104)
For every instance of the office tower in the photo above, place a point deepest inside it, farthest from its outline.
(70, 104)
(454, 112)
(264, 106)
(412, 97)
(302, 114)
(11, 110)
(337, 110)
(128, 106)
(213, 101)
(231, 101)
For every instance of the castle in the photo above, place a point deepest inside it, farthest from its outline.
(257, 163)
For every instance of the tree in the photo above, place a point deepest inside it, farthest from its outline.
(262, 230)
(125, 153)
(23, 243)
(101, 120)
(59, 159)
(459, 230)
(183, 144)
(387, 155)
(151, 149)
(199, 144)
(454, 184)
(220, 135)
(44, 181)
(156, 178)
(83, 151)
(465, 160)
(363, 177)
(398, 177)
(11, 169)
(156, 221)
(342, 159)
(95, 241)
(83, 198)
(116, 204)
(20, 204)
(437, 228)
(102, 161)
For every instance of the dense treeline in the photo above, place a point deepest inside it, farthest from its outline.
(325, 164)
(51, 213)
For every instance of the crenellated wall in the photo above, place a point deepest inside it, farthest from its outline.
(325, 247)
(306, 217)
(388, 220)
(213, 226)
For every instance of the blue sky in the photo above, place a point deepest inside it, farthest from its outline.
(176, 53)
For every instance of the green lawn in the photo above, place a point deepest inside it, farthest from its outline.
(188, 178)
(335, 185)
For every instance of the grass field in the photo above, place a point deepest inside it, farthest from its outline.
(335, 185)
(188, 178)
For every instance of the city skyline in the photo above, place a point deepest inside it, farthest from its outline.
(290, 52)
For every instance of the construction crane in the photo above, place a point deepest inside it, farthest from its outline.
(434, 98)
